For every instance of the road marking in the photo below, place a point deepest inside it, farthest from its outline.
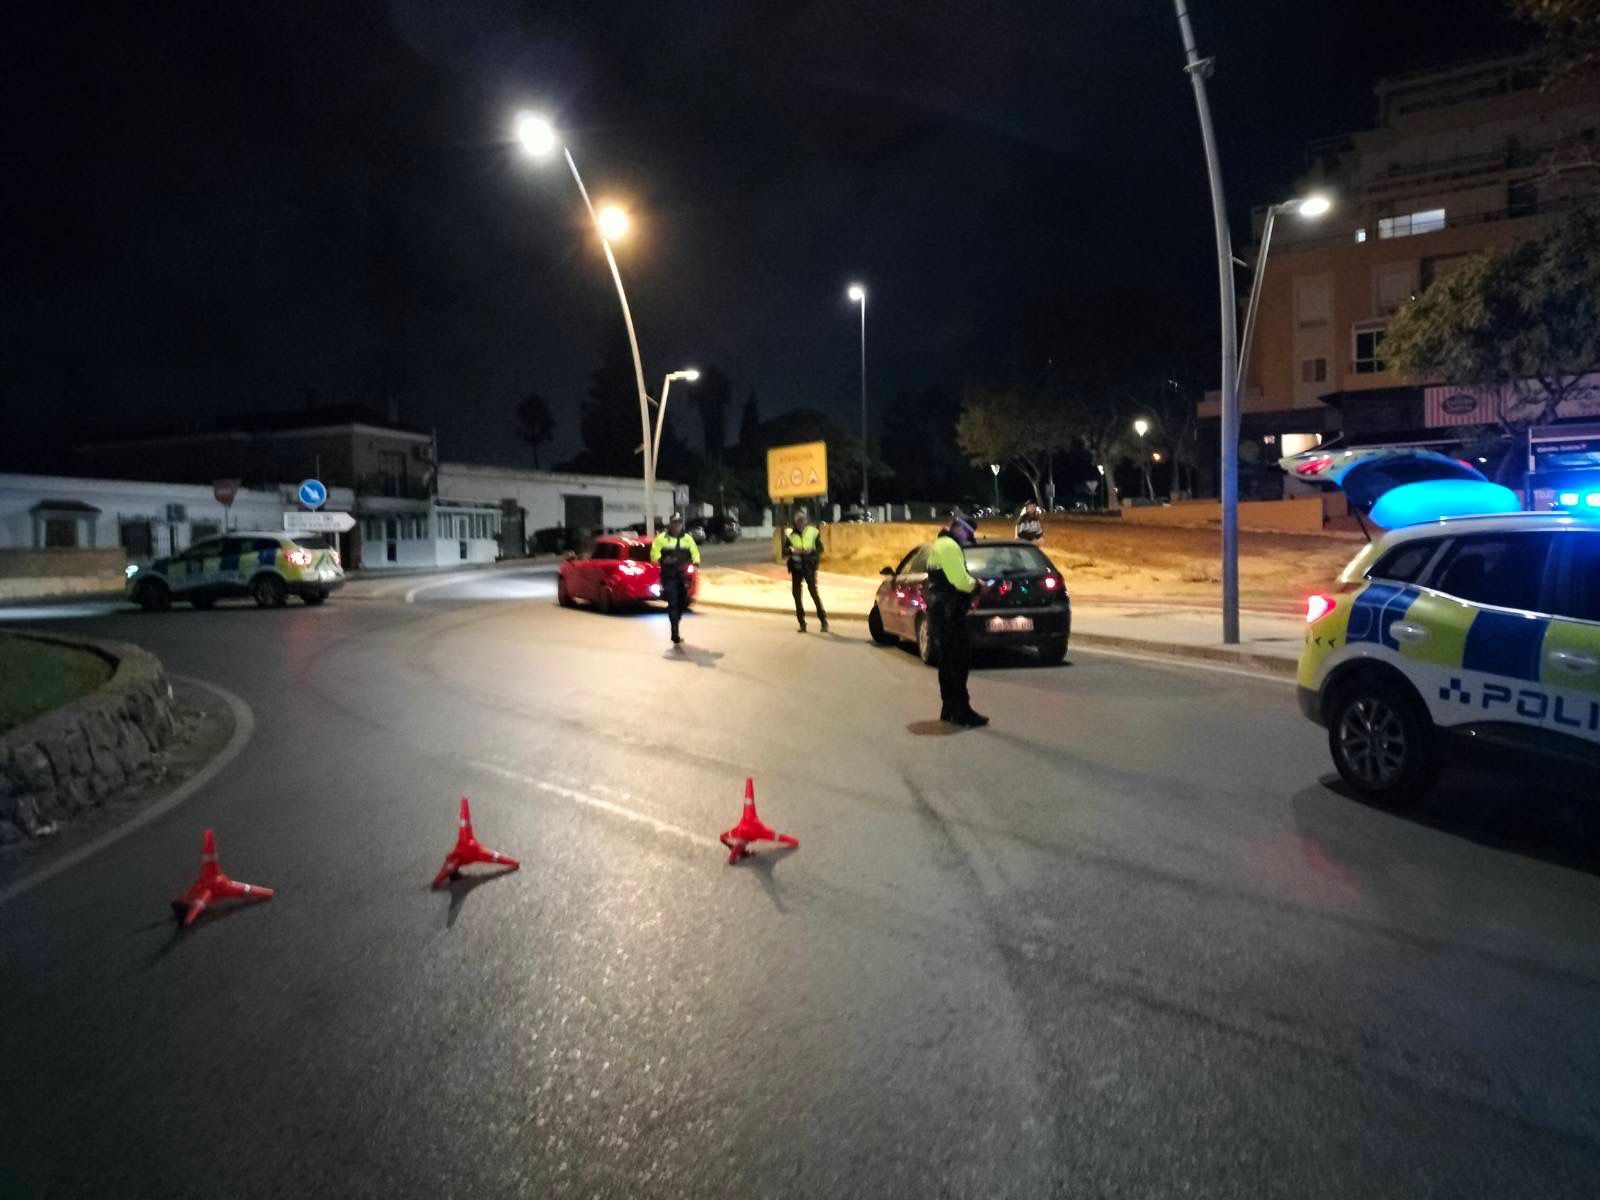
(607, 806)
(244, 727)
(466, 576)
(1195, 664)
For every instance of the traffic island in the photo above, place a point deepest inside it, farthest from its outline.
(110, 714)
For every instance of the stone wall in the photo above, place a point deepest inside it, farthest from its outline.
(25, 574)
(69, 760)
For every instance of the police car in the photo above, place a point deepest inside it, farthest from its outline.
(1450, 631)
(268, 567)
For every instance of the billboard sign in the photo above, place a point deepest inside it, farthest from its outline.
(796, 471)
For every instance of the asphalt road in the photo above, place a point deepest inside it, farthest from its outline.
(1128, 941)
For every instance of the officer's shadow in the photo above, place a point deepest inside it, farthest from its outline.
(934, 729)
(683, 652)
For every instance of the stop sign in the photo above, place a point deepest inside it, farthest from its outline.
(225, 490)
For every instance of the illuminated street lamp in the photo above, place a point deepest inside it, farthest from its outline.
(539, 139)
(858, 295)
(688, 375)
(1142, 427)
(1307, 207)
(995, 467)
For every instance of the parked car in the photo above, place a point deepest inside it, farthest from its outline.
(1021, 601)
(705, 530)
(615, 572)
(1467, 625)
(269, 567)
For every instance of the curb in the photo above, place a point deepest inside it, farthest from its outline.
(1266, 664)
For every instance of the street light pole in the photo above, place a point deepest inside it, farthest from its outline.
(539, 137)
(1310, 207)
(688, 376)
(858, 294)
(1198, 69)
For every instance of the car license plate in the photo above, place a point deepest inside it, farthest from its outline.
(1010, 624)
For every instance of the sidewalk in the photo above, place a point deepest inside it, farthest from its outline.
(1271, 641)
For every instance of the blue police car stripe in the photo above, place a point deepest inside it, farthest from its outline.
(230, 562)
(265, 557)
(1506, 644)
(1375, 609)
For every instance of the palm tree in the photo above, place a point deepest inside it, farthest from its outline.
(535, 423)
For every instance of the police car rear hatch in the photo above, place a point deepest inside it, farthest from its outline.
(1398, 486)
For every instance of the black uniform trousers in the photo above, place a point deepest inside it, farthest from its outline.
(807, 573)
(675, 590)
(955, 655)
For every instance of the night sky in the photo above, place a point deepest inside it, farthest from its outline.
(212, 207)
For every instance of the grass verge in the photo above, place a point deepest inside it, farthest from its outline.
(36, 677)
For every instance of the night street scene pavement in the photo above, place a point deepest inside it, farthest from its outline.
(660, 600)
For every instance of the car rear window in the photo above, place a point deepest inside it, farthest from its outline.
(310, 541)
(639, 553)
(994, 562)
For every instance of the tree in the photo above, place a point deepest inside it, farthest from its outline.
(713, 396)
(608, 419)
(749, 426)
(1525, 320)
(535, 423)
(1024, 428)
(919, 444)
(1101, 417)
(1571, 31)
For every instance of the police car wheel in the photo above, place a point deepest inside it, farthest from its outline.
(1381, 741)
(268, 592)
(875, 627)
(313, 597)
(927, 645)
(153, 596)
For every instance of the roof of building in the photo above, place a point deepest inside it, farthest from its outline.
(277, 421)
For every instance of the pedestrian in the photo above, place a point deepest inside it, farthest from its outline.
(950, 592)
(804, 543)
(675, 551)
(1030, 525)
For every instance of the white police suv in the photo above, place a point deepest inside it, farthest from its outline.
(1453, 631)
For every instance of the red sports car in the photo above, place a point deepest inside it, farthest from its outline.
(614, 572)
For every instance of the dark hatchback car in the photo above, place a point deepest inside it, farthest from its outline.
(1021, 602)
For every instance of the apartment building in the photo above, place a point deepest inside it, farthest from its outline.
(1463, 159)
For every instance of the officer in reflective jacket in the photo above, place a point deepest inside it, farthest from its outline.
(675, 551)
(803, 542)
(950, 591)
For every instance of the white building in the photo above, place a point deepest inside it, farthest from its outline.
(147, 520)
(528, 501)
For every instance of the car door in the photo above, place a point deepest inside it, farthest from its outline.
(1470, 636)
(196, 566)
(232, 571)
(1570, 669)
(909, 594)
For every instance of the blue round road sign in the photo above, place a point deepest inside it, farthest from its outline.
(312, 494)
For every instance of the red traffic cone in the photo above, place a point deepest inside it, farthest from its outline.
(468, 851)
(750, 829)
(213, 885)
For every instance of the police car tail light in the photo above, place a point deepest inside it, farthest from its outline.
(1319, 606)
(299, 557)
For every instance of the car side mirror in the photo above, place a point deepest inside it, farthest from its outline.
(889, 571)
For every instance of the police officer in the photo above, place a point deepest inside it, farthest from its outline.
(1030, 525)
(803, 541)
(950, 591)
(675, 551)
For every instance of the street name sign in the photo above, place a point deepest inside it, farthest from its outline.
(795, 471)
(318, 522)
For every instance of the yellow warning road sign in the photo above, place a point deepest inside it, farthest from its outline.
(794, 471)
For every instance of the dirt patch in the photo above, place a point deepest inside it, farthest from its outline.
(1106, 558)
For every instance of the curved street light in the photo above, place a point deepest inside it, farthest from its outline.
(688, 375)
(539, 139)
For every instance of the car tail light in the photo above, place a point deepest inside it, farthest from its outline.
(1005, 587)
(690, 569)
(299, 556)
(1315, 466)
(337, 561)
(1319, 606)
(1051, 583)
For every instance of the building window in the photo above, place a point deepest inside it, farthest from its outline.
(392, 470)
(135, 538)
(1313, 370)
(61, 533)
(1429, 220)
(1393, 285)
(1368, 358)
(1361, 235)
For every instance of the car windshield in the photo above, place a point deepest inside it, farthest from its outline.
(996, 562)
(639, 553)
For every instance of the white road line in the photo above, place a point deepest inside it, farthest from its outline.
(1195, 664)
(607, 806)
(244, 727)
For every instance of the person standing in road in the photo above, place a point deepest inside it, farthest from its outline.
(803, 541)
(950, 592)
(1030, 525)
(675, 552)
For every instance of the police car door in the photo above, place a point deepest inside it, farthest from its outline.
(1472, 638)
(197, 566)
(1570, 670)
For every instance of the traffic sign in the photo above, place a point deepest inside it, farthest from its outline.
(318, 522)
(800, 470)
(312, 494)
(225, 490)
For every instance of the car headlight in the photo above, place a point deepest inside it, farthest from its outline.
(131, 570)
